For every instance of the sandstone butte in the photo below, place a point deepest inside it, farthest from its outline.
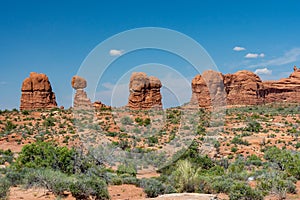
(144, 92)
(37, 93)
(243, 88)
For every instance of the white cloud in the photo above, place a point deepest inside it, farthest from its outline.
(115, 52)
(262, 55)
(254, 55)
(263, 71)
(289, 57)
(237, 48)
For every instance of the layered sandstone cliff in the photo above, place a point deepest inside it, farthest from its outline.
(37, 93)
(243, 88)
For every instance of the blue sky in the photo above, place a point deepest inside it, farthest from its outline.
(54, 37)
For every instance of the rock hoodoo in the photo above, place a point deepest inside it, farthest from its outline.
(243, 88)
(81, 101)
(144, 92)
(37, 93)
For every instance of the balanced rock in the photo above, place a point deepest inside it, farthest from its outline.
(78, 82)
(144, 92)
(37, 93)
(81, 100)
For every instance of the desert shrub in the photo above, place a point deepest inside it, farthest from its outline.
(6, 156)
(276, 182)
(147, 121)
(9, 126)
(54, 181)
(152, 140)
(204, 184)
(130, 180)
(185, 176)
(4, 188)
(126, 120)
(238, 140)
(242, 191)
(285, 160)
(46, 155)
(221, 184)
(82, 187)
(254, 160)
(127, 169)
(25, 112)
(49, 121)
(113, 179)
(14, 177)
(253, 126)
(152, 187)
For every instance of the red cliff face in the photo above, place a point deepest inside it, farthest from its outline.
(286, 89)
(208, 89)
(244, 88)
(37, 93)
(144, 92)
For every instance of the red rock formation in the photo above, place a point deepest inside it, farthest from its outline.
(144, 92)
(286, 89)
(37, 93)
(208, 89)
(98, 105)
(81, 101)
(244, 88)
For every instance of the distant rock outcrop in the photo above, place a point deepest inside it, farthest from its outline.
(144, 92)
(286, 89)
(37, 93)
(208, 89)
(243, 88)
(81, 101)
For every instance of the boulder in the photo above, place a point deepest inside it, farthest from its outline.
(78, 82)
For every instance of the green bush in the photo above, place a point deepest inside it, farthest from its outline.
(46, 155)
(126, 120)
(221, 184)
(285, 160)
(83, 187)
(14, 177)
(276, 182)
(184, 178)
(253, 126)
(242, 191)
(54, 181)
(127, 169)
(4, 188)
(6, 156)
(152, 187)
